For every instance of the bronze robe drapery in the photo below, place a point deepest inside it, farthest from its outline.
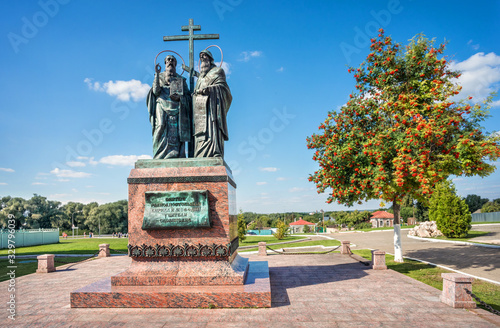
(170, 120)
(210, 125)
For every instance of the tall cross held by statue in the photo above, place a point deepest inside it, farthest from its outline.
(191, 37)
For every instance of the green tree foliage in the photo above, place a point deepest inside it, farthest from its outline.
(252, 225)
(282, 230)
(493, 206)
(16, 206)
(400, 133)
(350, 219)
(475, 202)
(39, 212)
(450, 212)
(111, 217)
(242, 227)
(44, 213)
(422, 212)
(306, 229)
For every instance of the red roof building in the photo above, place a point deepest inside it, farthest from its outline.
(298, 226)
(382, 219)
(301, 222)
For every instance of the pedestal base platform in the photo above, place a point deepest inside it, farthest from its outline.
(186, 273)
(256, 292)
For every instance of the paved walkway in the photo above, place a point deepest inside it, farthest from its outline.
(307, 291)
(478, 261)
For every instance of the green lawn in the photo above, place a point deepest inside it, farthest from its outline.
(28, 266)
(431, 275)
(473, 223)
(73, 246)
(254, 240)
(325, 242)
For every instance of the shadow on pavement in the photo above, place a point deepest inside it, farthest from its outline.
(287, 277)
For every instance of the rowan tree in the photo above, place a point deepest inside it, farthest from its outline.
(401, 131)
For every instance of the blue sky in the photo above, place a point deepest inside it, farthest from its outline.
(75, 75)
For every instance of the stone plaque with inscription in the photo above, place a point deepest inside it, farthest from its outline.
(176, 209)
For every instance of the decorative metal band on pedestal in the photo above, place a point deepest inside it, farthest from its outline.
(186, 250)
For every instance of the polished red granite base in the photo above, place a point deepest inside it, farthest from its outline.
(256, 292)
(183, 273)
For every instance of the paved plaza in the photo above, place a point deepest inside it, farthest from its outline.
(307, 291)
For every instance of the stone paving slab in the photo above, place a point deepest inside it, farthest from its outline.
(307, 291)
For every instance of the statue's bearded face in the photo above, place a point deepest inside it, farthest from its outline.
(204, 63)
(170, 64)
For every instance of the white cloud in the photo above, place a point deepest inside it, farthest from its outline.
(480, 75)
(297, 189)
(123, 90)
(3, 183)
(268, 169)
(75, 164)
(69, 173)
(245, 56)
(122, 160)
(473, 46)
(6, 169)
(82, 162)
(57, 196)
(226, 67)
(261, 183)
(281, 69)
(282, 179)
(38, 184)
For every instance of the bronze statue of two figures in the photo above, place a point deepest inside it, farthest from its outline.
(178, 116)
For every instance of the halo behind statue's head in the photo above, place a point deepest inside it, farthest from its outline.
(172, 56)
(209, 54)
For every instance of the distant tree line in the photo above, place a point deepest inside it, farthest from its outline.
(39, 212)
(360, 219)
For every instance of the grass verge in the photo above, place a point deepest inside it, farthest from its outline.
(326, 242)
(29, 266)
(431, 275)
(72, 246)
(254, 240)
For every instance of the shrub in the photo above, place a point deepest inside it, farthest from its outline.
(242, 227)
(282, 230)
(450, 212)
(363, 225)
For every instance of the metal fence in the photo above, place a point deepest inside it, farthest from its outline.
(260, 232)
(486, 217)
(30, 237)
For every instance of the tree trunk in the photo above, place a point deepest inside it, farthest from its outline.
(398, 252)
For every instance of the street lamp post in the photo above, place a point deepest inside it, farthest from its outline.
(73, 223)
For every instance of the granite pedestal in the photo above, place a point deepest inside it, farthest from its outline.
(182, 267)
